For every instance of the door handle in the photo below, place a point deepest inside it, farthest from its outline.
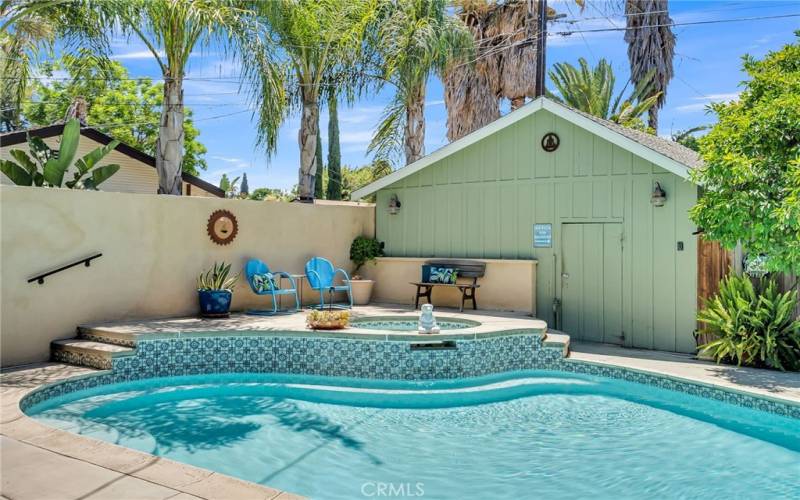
(564, 275)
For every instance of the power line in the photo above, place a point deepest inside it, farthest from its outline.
(110, 125)
(145, 105)
(688, 23)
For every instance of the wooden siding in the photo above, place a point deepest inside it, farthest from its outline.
(482, 202)
(133, 176)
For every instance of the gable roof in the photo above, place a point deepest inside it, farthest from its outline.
(667, 154)
(18, 137)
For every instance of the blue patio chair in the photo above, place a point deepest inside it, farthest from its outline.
(262, 282)
(321, 274)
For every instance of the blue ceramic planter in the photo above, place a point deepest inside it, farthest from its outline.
(215, 303)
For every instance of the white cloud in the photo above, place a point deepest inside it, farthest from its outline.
(705, 101)
(356, 137)
(437, 102)
(139, 54)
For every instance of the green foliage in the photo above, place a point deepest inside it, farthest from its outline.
(270, 194)
(689, 138)
(334, 191)
(29, 33)
(751, 172)
(356, 178)
(364, 250)
(217, 278)
(127, 110)
(753, 325)
(231, 187)
(46, 167)
(319, 189)
(415, 40)
(591, 91)
(311, 42)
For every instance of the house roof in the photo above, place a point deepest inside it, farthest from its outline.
(667, 154)
(18, 137)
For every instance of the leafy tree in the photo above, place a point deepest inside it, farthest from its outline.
(751, 171)
(334, 152)
(30, 30)
(127, 110)
(231, 187)
(415, 39)
(591, 91)
(171, 30)
(314, 39)
(270, 194)
(244, 190)
(356, 178)
(319, 186)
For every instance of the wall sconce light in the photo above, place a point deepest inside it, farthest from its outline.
(659, 196)
(394, 205)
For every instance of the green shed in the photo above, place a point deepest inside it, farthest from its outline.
(602, 208)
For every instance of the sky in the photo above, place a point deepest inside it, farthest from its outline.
(707, 69)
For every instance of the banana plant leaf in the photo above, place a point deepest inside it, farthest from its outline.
(15, 173)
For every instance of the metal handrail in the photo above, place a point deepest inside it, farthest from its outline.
(87, 261)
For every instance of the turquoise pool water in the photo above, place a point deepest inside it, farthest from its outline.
(517, 435)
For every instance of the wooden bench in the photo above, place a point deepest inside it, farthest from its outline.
(470, 270)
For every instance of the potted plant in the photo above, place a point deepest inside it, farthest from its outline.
(328, 320)
(215, 289)
(363, 250)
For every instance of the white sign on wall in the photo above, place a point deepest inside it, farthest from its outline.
(542, 235)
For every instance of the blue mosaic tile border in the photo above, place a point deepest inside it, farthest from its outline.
(375, 359)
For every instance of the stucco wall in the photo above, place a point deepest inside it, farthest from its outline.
(482, 202)
(153, 248)
(509, 285)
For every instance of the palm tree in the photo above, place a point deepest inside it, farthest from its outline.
(504, 64)
(591, 91)
(171, 30)
(416, 38)
(651, 47)
(30, 29)
(315, 39)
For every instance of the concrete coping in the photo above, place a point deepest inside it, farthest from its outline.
(486, 325)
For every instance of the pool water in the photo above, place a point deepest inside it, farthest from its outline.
(403, 324)
(520, 435)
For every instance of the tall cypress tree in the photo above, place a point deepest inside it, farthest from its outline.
(334, 153)
(244, 189)
(319, 193)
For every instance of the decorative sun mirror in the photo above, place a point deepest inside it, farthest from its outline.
(222, 227)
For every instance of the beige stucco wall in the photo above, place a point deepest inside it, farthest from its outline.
(134, 176)
(153, 248)
(509, 285)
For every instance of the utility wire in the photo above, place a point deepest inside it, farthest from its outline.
(688, 23)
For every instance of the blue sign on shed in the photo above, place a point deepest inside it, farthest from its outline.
(542, 235)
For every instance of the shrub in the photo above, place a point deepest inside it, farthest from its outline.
(216, 278)
(364, 250)
(752, 325)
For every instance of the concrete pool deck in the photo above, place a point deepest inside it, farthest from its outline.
(295, 323)
(40, 462)
(43, 463)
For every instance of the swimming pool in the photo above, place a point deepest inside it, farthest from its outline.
(523, 434)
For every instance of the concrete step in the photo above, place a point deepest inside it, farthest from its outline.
(107, 336)
(555, 338)
(89, 353)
